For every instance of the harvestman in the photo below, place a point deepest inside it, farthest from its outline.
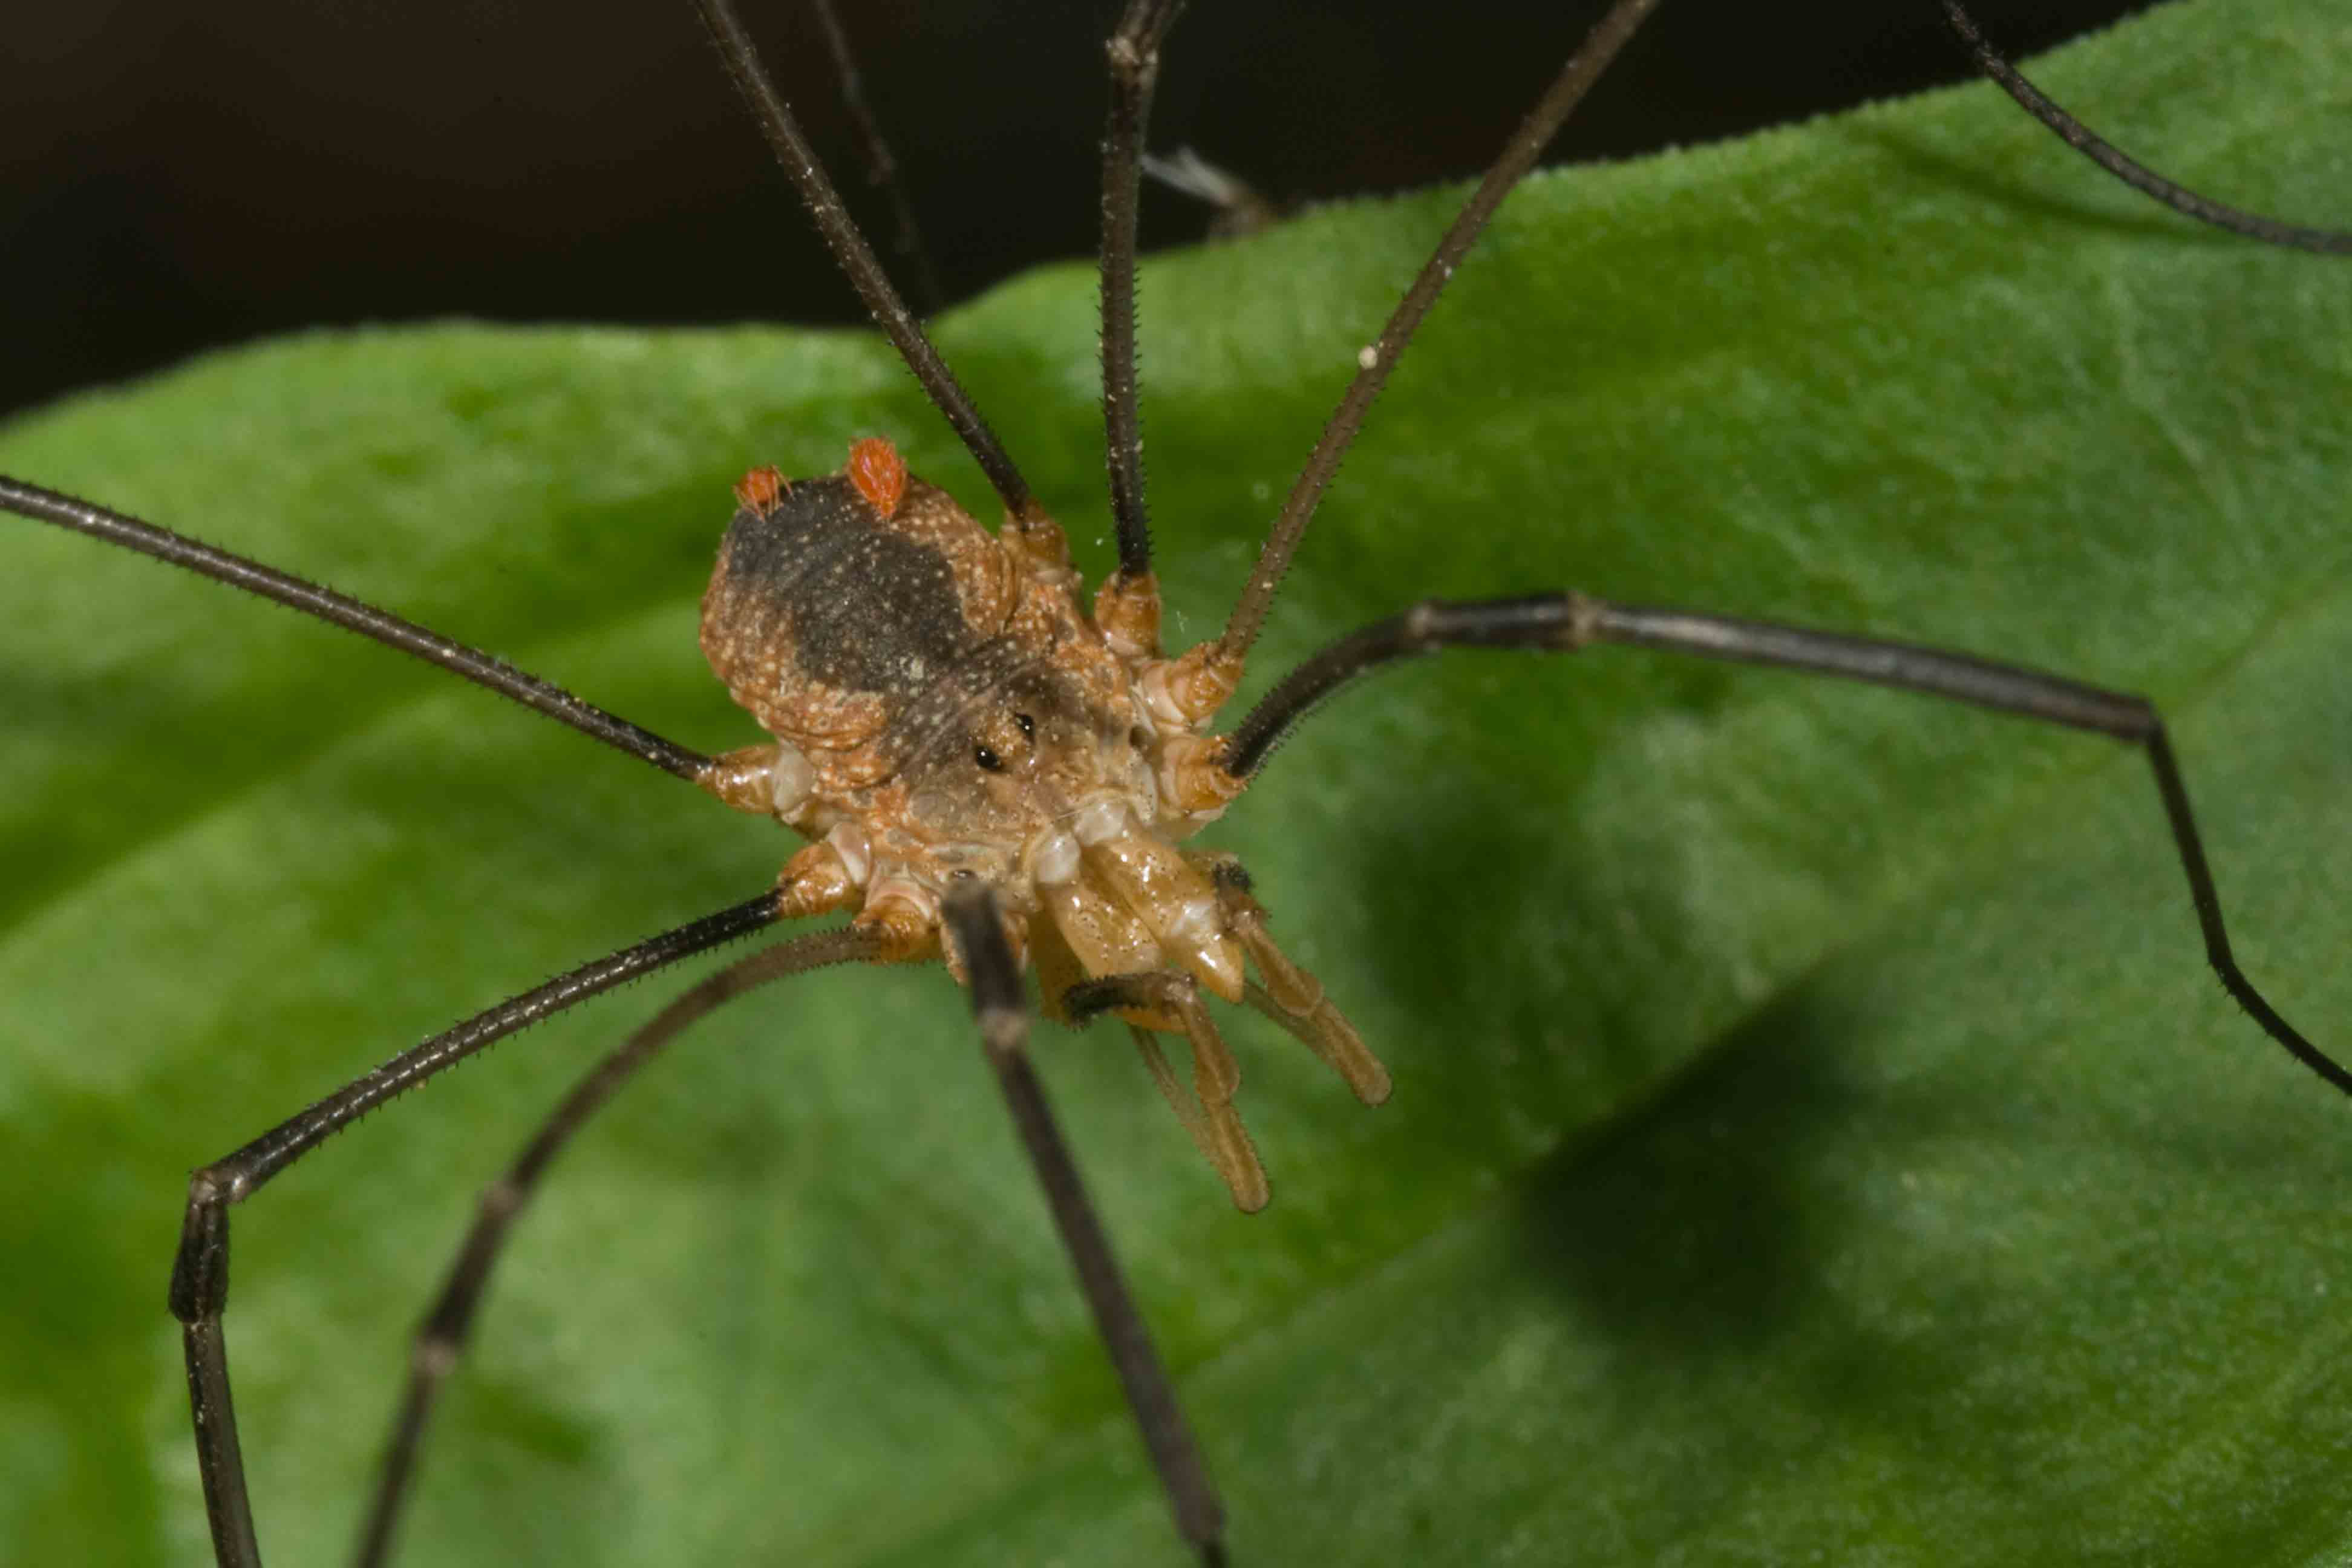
(994, 773)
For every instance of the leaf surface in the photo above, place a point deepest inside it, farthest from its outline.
(1815, 1137)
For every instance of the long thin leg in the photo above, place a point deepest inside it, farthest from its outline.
(441, 1336)
(200, 1270)
(856, 257)
(2115, 162)
(341, 610)
(1565, 623)
(881, 169)
(1001, 1009)
(1520, 154)
(1134, 53)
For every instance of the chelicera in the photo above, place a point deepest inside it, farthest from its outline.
(999, 773)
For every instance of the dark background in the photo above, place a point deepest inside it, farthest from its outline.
(178, 175)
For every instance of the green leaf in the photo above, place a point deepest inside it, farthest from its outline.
(1815, 1137)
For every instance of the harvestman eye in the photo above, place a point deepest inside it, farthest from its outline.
(847, 612)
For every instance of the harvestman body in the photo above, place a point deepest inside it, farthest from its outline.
(993, 771)
(946, 710)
